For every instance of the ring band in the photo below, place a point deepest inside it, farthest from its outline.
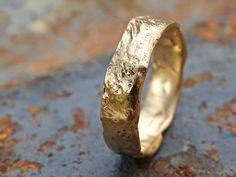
(130, 127)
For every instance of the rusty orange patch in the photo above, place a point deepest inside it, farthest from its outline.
(7, 144)
(194, 80)
(223, 115)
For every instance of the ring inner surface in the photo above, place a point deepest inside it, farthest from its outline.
(162, 92)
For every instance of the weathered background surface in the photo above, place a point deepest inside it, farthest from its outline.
(53, 56)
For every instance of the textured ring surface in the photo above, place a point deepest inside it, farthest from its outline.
(131, 126)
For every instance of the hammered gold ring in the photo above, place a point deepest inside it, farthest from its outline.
(132, 126)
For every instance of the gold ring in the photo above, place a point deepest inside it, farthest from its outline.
(130, 127)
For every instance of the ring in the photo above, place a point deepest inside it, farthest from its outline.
(131, 126)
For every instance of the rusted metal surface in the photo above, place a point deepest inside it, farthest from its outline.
(53, 57)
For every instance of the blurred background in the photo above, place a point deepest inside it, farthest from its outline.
(44, 36)
(53, 57)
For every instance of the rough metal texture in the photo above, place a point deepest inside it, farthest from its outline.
(128, 130)
(49, 122)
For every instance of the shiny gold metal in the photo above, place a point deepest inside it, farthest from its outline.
(130, 128)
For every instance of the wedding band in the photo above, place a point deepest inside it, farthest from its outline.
(132, 126)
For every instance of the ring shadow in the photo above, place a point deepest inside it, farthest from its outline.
(130, 167)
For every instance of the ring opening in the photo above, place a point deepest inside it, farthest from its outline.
(163, 90)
